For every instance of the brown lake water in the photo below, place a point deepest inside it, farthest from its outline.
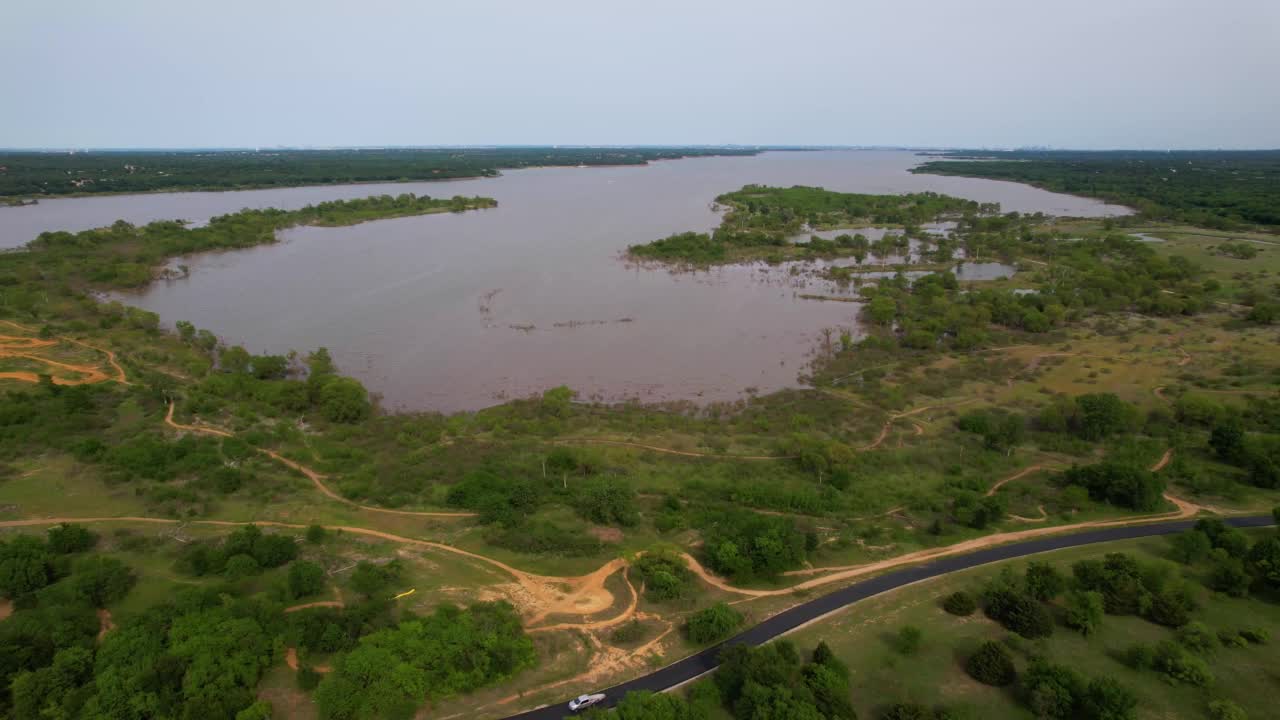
(458, 312)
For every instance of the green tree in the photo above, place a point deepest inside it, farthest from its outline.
(1190, 547)
(1263, 562)
(25, 566)
(991, 665)
(65, 538)
(1107, 699)
(344, 400)
(305, 578)
(1085, 609)
(1043, 581)
(960, 603)
(240, 566)
(712, 624)
(101, 580)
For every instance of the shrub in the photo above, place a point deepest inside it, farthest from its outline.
(908, 640)
(1043, 581)
(316, 534)
(1052, 691)
(1256, 636)
(666, 575)
(1226, 710)
(100, 580)
(1084, 611)
(240, 566)
(1019, 613)
(65, 539)
(712, 624)
(1107, 699)
(627, 633)
(907, 711)
(960, 603)
(1197, 638)
(1140, 657)
(1180, 666)
(305, 578)
(991, 665)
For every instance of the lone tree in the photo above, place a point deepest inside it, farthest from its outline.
(991, 665)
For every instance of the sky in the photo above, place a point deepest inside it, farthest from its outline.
(1092, 74)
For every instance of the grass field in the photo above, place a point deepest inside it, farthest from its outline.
(862, 636)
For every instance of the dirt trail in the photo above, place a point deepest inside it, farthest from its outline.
(316, 604)
(104, 623)
(627, 613)
(1043, 516)
(884, 430)
(19, 346)
(6, 609)
(291, 659)
(669, 451)
(547, 595)
(316, 478)
(1164, 460)
(1159, 392)
(1016, 476)
(1186, 357)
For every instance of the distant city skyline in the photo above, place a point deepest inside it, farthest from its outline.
(1119, 74)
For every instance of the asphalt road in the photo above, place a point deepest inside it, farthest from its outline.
(706, 661)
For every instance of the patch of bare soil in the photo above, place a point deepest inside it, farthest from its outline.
(105, 623)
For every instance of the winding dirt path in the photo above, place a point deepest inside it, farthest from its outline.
(1164, 460)
(20, 346)
(316, 604)
(316, 478)
(884, 430)
(1016, 476)
(1043, 516)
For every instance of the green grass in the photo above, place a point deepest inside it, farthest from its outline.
(860, 636)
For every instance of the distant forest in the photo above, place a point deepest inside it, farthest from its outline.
(32, 174)
(1227, 190)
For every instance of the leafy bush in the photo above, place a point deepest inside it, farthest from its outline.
(305, 578)
(1020, 613)
(666, 575)
(960, 603)
(712, 624)
(1127, 486)
(908, 640)
(449, 652)
(991, 665)
(64, 539)
(1180, 666)
(1084, 611)
(1226, 710)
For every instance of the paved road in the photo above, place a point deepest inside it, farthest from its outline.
(706, 661)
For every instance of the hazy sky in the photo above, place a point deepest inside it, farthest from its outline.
(1067, 73)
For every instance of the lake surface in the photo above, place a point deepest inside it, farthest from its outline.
(457, 312)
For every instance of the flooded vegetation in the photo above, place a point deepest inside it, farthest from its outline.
(455, 312)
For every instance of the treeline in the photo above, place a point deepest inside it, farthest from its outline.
(47, 173)
(391, 672)
(202, 651)
(1215, 189)
(762, 683)
(762, 217)
(127, 256)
